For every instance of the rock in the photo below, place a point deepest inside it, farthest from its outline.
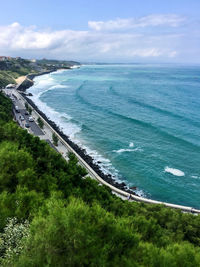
(25, 84)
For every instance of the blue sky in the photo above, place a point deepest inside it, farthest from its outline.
(109, 31)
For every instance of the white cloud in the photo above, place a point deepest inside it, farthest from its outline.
(170, 20)
(151, 52)
(17, 40)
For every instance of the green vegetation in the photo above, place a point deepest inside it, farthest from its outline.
(40, 123)
(14, 68)
(29, 110)
(26, 106)
(55, 139)
(6, 78)
(51, 216)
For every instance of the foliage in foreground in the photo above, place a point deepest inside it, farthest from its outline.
(70, 221)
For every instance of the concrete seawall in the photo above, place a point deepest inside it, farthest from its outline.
(94, 175)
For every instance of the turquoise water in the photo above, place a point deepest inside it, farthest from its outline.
(140, 122)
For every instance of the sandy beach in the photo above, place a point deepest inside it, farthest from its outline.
(20, 79)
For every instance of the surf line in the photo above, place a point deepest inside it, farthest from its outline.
(93, 174)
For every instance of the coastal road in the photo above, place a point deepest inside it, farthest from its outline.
(34, 129)
(17, 101)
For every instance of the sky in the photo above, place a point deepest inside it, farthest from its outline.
(102, 31)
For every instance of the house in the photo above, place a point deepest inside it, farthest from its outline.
(3, 58)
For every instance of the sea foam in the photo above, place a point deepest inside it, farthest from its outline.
(195, 176)
(175, 172)
(131, 144)
(42, 85)
(127, 150)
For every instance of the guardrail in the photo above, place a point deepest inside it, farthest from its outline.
(92, 173)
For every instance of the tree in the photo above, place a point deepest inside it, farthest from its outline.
(12, 162)
(30, 110)
(11, 240)
(55, 139)
(77, 235)
(26, 105)
(40, 123)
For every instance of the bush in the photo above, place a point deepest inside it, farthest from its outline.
(55, 139)
(40, 122)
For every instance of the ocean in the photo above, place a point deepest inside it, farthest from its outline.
(140, 122)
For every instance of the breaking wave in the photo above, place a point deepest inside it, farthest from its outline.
(127, 150)
(175, 172)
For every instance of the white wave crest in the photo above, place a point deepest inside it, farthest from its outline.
(57, 86)
(131, 144)
(61, 119)
(127, 150)
(195, 176)
(42, 85)
(75, 67)
(59, 71)
(175, 172)
(140, 193)
(104, 163)
(43, 81)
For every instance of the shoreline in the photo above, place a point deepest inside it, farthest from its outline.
(80, 151)
(104, 178)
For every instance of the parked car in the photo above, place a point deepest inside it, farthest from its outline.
(26, 112)
(27, 125)
(17, 109)
(22, 118)
(30, 119)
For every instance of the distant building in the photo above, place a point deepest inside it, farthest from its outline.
(3, 58)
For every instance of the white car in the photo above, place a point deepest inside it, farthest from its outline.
(30, 119)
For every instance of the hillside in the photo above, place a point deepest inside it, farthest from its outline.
(52, 215)
(12, 68)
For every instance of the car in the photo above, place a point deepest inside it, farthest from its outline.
(17, 109)
(27, 125)
(22, 118)
(26, 112)
(30, 119)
